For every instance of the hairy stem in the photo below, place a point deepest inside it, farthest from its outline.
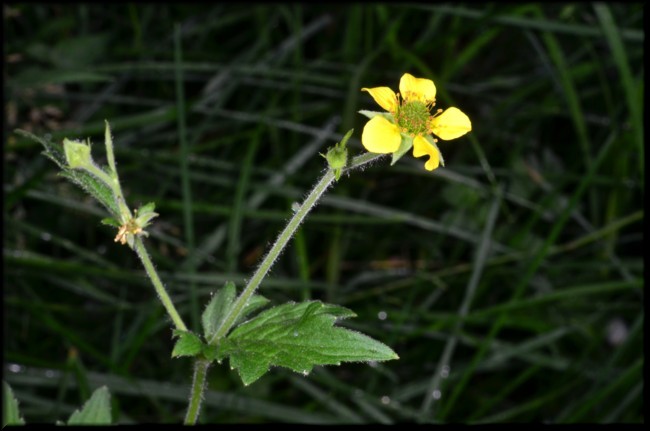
(157, 284)
(283, 239)
(198, 386)
(114, 184)
(200, 370)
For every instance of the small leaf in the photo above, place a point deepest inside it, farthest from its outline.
(217, 309)
(298, 337)
(188, 344)
(96, 411)
(10, 413)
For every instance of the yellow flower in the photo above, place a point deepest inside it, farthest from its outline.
(410, 123)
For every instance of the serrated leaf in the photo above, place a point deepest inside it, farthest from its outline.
(188, 344)
(10, 413)
(91, 185)
(96, 411)
(217, 309)
(299, 337)
(254, 303)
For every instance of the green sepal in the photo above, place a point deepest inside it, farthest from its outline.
(404, 146)
(130, 240)
(188, 344)
(110, 221)
(143, 220)
(372, 114)
(147, 208)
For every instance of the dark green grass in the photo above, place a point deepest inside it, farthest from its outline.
(510, 282)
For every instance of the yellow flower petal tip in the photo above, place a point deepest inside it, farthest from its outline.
(451, 124)
(421, 147)
(384, 96)
(412, 88)
(380, 136)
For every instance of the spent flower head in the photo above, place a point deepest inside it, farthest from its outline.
(411, 120)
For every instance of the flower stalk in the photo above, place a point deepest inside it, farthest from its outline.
(200, 373)
(309, 203)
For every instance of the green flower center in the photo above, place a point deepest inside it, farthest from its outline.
(413, 117)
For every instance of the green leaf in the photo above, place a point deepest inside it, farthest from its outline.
(210, 352)
(10, 414)
(217, 309)
(298, 337)
(96, 411)
(254, 303)
(96, 188)
(188, 344)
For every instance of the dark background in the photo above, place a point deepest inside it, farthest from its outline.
(510, 282)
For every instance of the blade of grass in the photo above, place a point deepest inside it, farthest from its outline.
(188, 218)
(633, 92)
(443, 367)
(233, 246)
(526, 277)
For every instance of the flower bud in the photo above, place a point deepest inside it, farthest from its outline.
(337, 156)
(77, 153)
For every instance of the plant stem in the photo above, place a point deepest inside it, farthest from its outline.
(100, 174)
(281, 242)
(198, 385)
(114, 183)
(200, 370)
(157, 284)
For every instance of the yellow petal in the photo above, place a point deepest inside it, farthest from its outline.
(451, 124)
(384, 96)
(380, 136)
(423, 148)
(421, 89)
